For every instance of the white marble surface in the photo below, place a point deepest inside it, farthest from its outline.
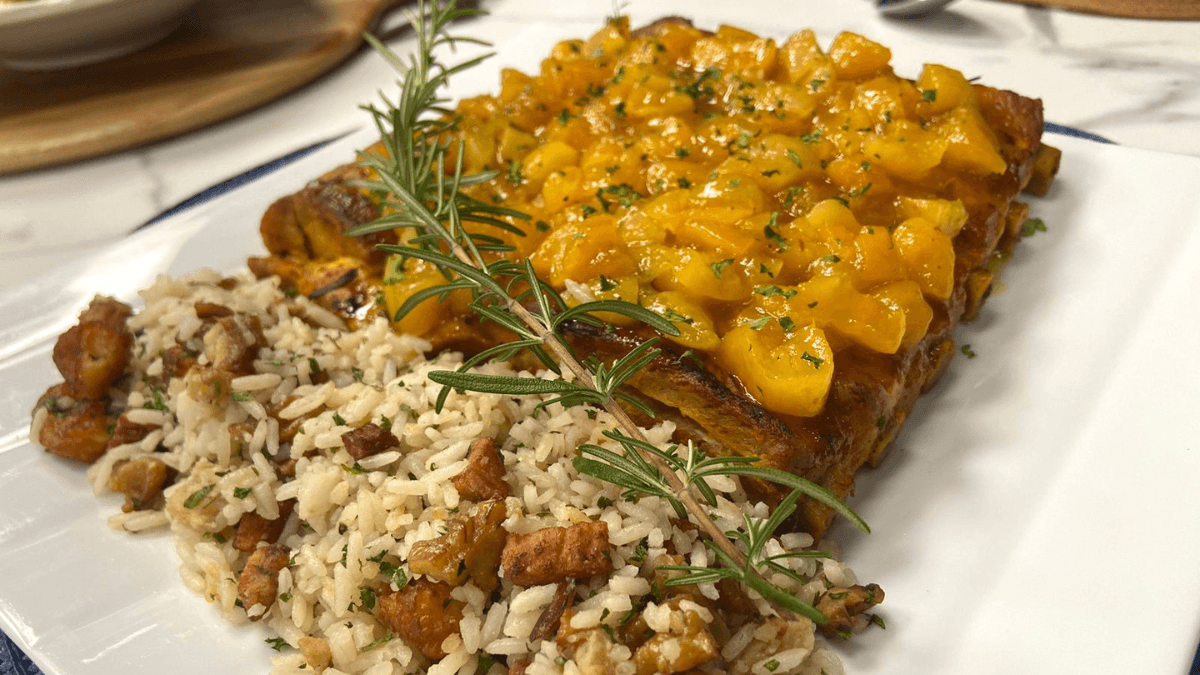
(1134, 82)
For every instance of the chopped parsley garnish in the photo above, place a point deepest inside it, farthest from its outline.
(354, 469)
(607, 284)
(241, 396)
(718, 268)
(514, 173)
(811, 137)
(604, 502)
(542, 226)
(196, 497)
(787, 323)
(313, 366)
(675, 317)
(242, 492)
(700, 87)
(339, 420)
(970, 353)
(682, 153)
(759, 323)
(830, 259)
(684, 182)
(378, 643)
(773, 291)
(156, 401)
(276, 643)
(1027, 229)
(815, 84)
(366, 596)
(393, 573)
(929, 95)
(772, 665)
(812, 359)
(858, 192)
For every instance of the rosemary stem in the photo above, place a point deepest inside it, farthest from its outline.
(682, 491)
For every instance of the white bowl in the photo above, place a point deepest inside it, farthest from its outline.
(56, 34)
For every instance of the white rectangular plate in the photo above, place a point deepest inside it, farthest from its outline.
(1039, 514)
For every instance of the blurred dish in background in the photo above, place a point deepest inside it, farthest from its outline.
(57, 34)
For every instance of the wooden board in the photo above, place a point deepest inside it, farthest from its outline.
(227, 57)
(1175, 10)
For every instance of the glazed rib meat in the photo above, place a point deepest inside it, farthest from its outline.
(992, 148)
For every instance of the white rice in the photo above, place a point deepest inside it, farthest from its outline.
(348, 513)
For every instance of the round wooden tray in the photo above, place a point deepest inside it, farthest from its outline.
(227, 57)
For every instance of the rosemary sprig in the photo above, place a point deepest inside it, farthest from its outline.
(425, 196)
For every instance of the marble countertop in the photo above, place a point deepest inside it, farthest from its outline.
(1134, 82)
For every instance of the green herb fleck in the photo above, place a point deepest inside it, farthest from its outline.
(718, 268)
(378, 643)
(196, 497)
(366, 596)
(773, 291)
(970, 353)
(276, 643)
(787, 323)
(242, 492)
(812, 359)
(675, 317)
(1028, 228)
(514, 173)
(929, 95)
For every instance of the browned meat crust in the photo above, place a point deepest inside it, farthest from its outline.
(423, 614)
(92, 354)
(552, 554)
(76, 429)
(369, 439)
(483, 478)
(233, 342)
(141, 480)
(253, 529)
(259, 581)
(128, 432)
(312, 223)
(842, 605)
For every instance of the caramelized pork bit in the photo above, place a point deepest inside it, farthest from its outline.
(423, 614)
(841, 605)
(92, 354)
(547, 623)
(484, 476)
(141, 480)
(177, 361)
(369, 439)
(555, 553)
(677, 651)
(76, 429)
(259, 582)
(253, 528)
(128, 432)
(209, 385)
(233, 342)
(470, 549)
(317, 653)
